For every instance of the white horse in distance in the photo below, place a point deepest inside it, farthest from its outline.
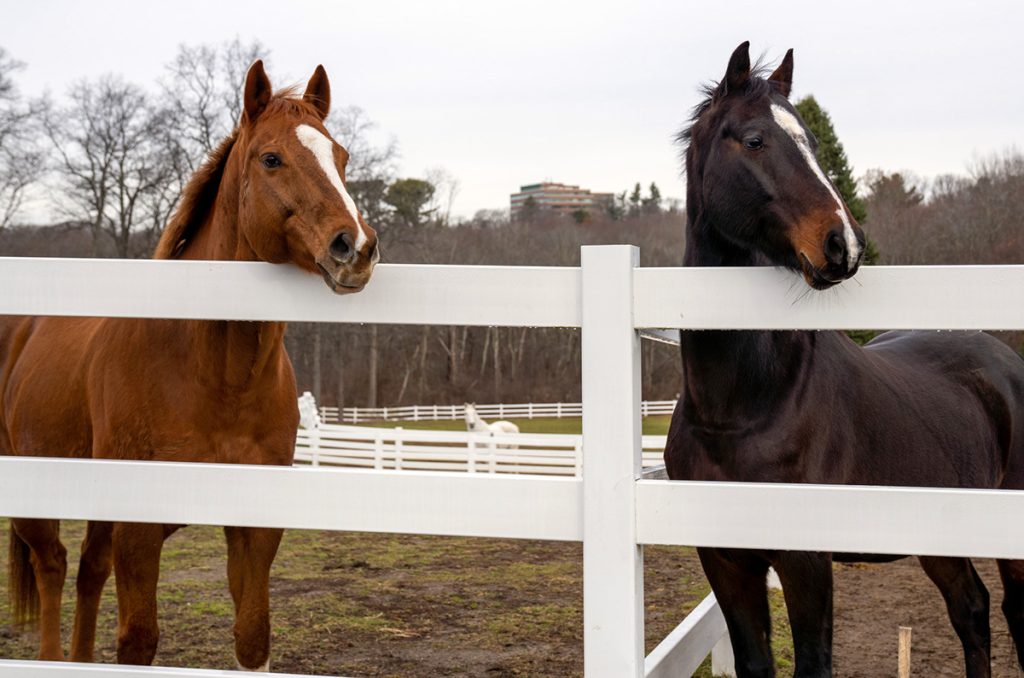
(475, 424)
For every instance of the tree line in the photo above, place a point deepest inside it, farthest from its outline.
(117, 155)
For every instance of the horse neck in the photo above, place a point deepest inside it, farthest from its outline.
(734, 377)
(230, 353)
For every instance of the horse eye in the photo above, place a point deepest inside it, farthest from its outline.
(270, 160)
(753, 143)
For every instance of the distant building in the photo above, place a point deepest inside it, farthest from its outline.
(561, 198)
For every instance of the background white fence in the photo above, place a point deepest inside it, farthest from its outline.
(355, 415)
(610, 508)
(472, 452)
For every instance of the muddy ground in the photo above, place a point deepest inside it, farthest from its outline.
(393, 605)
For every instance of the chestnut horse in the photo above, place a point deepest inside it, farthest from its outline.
(182, 390)
(910, 408)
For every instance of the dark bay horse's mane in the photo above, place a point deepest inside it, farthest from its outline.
(694, 151)
(756, 86)
(199, 194)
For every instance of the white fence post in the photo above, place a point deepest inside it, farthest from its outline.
(723, 662)
(398, 447)
(613, 610)
(314, 443)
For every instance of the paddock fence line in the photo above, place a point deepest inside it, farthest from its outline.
(355, 415)
(559, 454)
(612, 508)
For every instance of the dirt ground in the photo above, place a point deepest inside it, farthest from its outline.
(394, 605)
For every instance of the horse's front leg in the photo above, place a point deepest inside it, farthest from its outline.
(738, 578)
(807, 585)
(136, 551)
(93, 572)
(251, 552)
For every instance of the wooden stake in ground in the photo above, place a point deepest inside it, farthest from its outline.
(904, 656)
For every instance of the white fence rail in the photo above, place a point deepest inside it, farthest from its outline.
(355, 415)
(411, 449)
(610, 508)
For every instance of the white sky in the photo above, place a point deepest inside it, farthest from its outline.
(508, 93)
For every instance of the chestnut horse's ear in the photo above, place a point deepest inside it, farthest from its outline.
(738, 72)
(257, 91)
(318, 92)
(783, 75)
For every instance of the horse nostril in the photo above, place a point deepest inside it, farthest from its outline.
(835, 247)
(341, 248)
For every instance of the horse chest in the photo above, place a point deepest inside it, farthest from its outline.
(696, 453)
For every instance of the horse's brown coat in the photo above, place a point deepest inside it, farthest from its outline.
(179, 390)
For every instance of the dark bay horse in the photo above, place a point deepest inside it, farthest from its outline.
(910, 408)
(180, 390)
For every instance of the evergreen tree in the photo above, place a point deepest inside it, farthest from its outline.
(635, 199)
(652, 203)
(832, 158)
(410, 199)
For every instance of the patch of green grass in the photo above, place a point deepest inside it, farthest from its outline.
(653, 425)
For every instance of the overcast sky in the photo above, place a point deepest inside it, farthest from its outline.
(508, 93)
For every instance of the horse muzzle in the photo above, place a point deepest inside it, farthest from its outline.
(840, 257)
(345, 268)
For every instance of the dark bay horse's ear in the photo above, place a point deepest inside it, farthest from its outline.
(318, 92)
(783, 75)
(738, 72)
(257, 91)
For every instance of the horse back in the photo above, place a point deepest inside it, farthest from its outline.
(982, 380)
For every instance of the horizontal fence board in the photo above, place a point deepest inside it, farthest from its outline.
(840, 518)
(877, 298)
(36, 669)
(331, 414)
(684, 649)
(455, 504)
(545, 296)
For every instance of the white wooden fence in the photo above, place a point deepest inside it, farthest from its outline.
(410, 449)
(611, 508)
(355, 415)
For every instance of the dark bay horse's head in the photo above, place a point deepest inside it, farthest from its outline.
(755, 191)
(294, 206)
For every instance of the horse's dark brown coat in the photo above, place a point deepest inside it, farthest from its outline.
(935, 409)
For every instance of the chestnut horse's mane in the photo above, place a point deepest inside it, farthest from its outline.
(199, 194)
(196, 201)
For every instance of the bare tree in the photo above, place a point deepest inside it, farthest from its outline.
(446, 189)
(108, 159)
(21, 160)
(371, 165)
(202, 92)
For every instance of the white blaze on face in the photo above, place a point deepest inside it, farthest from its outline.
(323, 150)
(788, 122)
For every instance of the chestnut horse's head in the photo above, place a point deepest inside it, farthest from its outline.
(281, 178)
(294, 205)
(755, 191)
